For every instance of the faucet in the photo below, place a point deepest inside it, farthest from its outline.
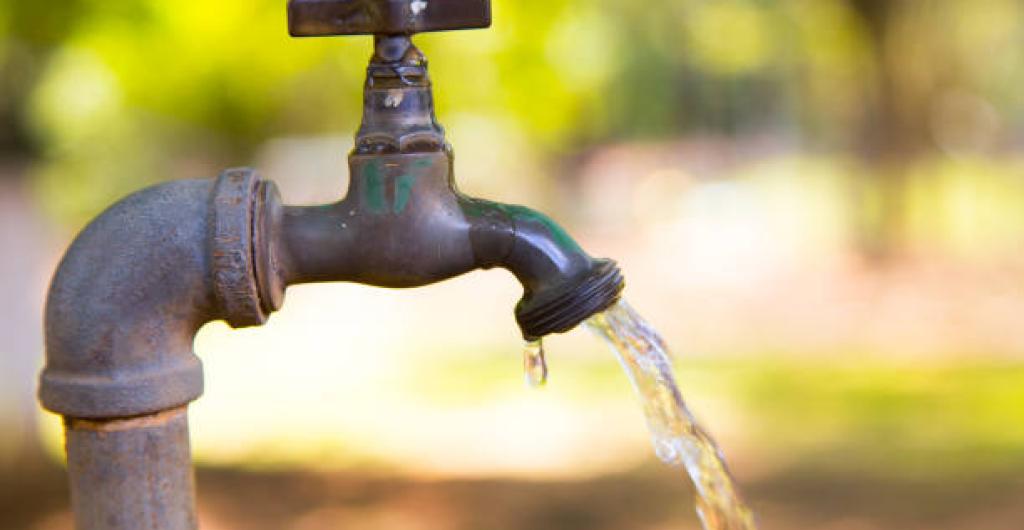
(140, 280)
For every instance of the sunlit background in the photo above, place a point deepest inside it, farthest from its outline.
(820, 203)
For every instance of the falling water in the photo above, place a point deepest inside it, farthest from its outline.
(678, 439)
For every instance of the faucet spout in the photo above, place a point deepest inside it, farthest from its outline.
(562, 284)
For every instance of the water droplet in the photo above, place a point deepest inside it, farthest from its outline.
(535, 368)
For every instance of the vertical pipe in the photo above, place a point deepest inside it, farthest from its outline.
(131, 474)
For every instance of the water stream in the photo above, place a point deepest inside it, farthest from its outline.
(678, 439)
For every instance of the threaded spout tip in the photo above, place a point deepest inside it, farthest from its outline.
(562, 307)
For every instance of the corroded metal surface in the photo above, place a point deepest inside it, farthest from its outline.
(134, 288)
(128, 296)
(367, 17)
(398, 104)
(131, 474)
(234, 273)
(123, 309)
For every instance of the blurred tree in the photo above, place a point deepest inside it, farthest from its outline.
(30, 32)
(109, 95)
(892, 129)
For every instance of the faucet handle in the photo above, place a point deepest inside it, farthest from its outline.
(313, 18)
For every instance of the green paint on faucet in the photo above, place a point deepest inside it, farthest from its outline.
(374, 189)
(558, 234)
(403, 189)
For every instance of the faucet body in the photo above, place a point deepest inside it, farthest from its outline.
(404, 224)
(141, 279)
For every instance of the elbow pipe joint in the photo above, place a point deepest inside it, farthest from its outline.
(138, 283)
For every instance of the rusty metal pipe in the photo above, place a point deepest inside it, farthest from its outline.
(131, 474)
(134, 288)
(126, 300)
(123, 308)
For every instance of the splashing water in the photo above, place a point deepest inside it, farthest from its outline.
(677, 437)
(535, 368)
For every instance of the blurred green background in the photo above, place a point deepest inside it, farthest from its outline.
(819, 202)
